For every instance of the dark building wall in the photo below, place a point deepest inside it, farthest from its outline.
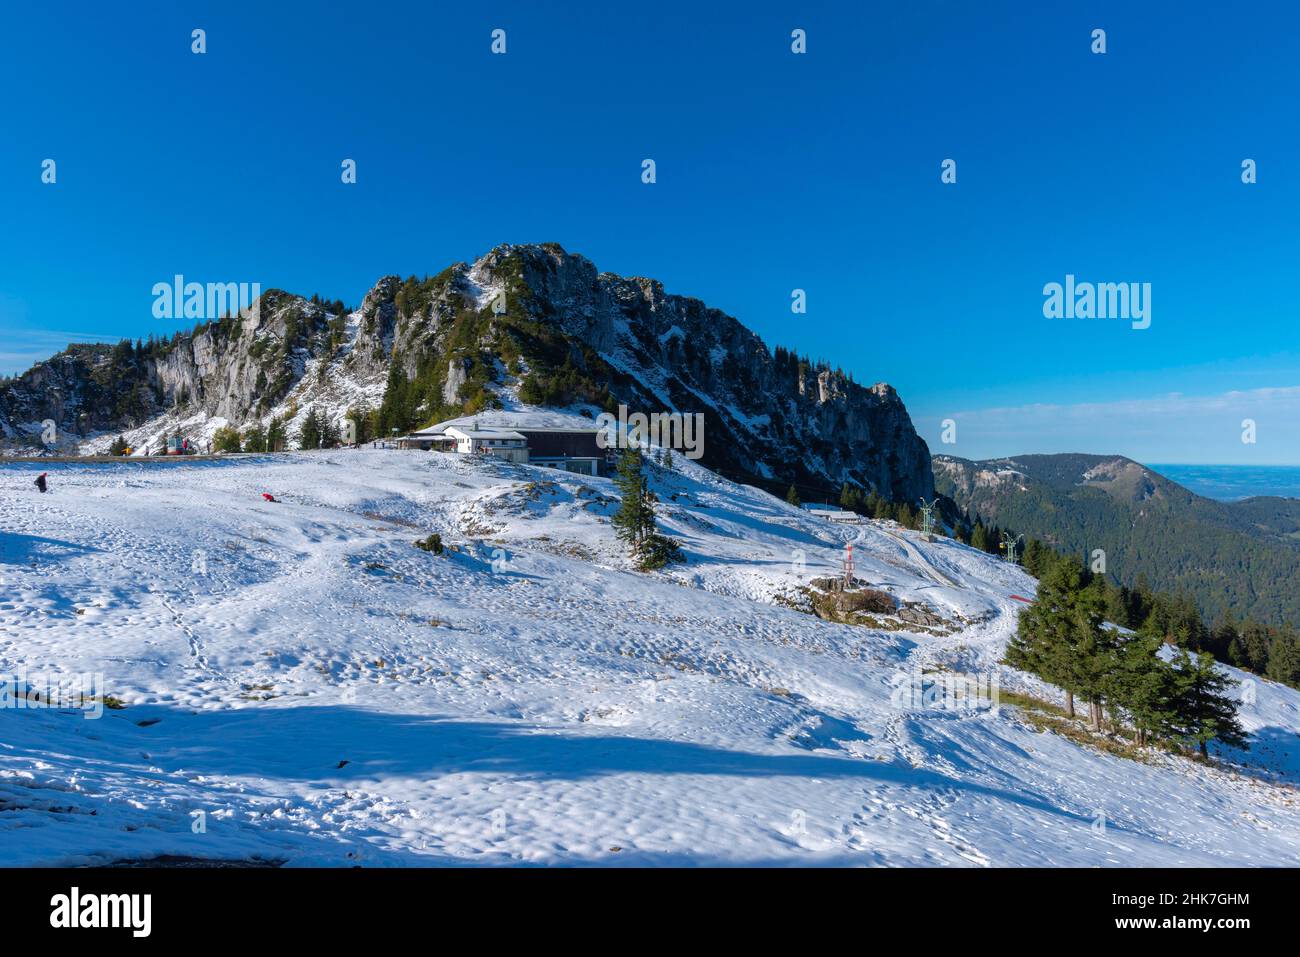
(562, 443)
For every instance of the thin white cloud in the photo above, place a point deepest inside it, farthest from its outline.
(20, 349)
(1171, 427)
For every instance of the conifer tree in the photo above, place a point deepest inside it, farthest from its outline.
(396, 409)
(1034, 557)
(847, 498)
(362, 420)
(1255, 641)
(792, 497)
(1237, 654)
(1060, 637)
(277, 436)
(634, 522)
(1205, 712)
(1042, 628)
(255, 439)
(329, 433)
(1284, 659)
(634, 519)
(225, 439)
(1145, 688)
(309, 435)
(1091, 658)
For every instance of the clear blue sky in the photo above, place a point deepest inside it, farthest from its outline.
(775, 171)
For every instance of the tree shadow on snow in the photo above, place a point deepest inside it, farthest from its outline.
(1274, 755)
(309, 744)
(17, 549)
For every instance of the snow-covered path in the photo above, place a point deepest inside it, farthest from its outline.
(312, 688)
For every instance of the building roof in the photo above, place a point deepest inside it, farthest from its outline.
(538, 421)
(830, 511)
(483, 433)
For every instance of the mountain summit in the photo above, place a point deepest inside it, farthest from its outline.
(525, 326)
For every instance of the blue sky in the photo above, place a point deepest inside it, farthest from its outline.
(775, 172)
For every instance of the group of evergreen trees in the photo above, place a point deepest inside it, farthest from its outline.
(411, 402)
(1266, 650)
(317, 432)
(634, 522)
(1172, 617)
(1124, 680)
(365, 423)
(792, 364)
(406, 401)
(273, 438)
(1273, 652)
(227, 439)
(333, 306)
(563, 385)
(869, 504)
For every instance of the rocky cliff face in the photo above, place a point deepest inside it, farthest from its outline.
(523, 326)
(231, 370)
(768, 416)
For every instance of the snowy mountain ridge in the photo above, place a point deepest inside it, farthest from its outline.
(524, 327)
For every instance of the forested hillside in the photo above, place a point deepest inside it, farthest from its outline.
(1238, 559)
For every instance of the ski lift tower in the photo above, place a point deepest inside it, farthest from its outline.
(1010, 545)
(927, 519)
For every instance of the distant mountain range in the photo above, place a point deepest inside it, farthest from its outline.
(526, 327)
(1240, 558)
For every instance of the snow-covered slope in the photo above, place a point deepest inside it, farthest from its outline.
(325, 693)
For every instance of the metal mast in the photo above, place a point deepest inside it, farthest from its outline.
(927, 518)
(1010, 545)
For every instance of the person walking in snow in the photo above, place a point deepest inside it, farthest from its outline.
(40, 481)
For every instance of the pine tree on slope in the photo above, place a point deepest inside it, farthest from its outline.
(1145, 688)
(634, 520)
(1205, 712)
(1061, 638)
